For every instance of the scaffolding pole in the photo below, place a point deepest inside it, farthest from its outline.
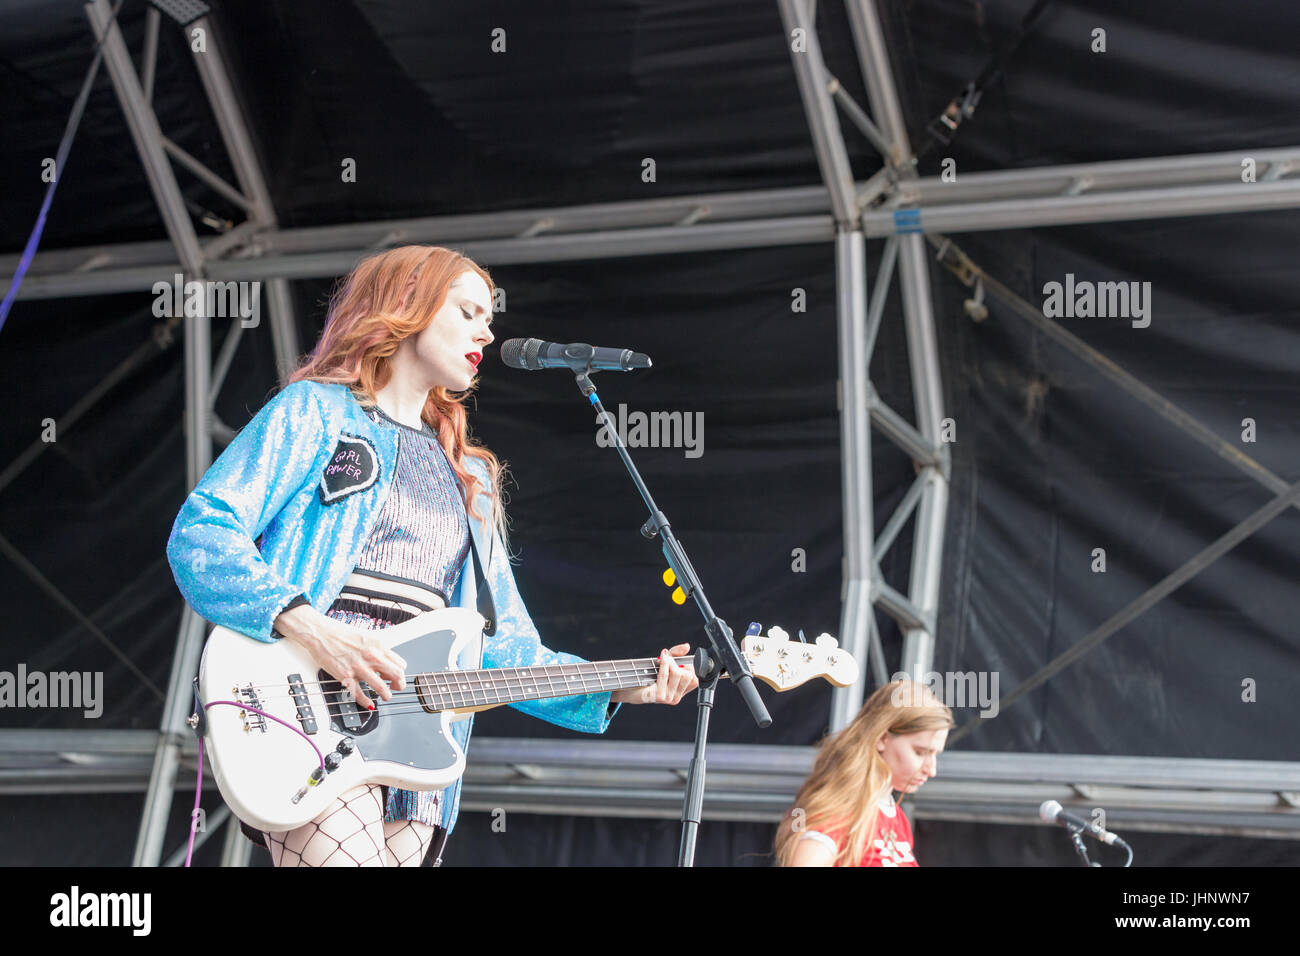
(148, 139)
(855, 451)
(214, 73)
(927, 391)
(750, 781)
(922, 344)
(816, 90)
(742, 220)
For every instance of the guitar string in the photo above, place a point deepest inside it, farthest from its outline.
(499, 681)
(444, 705)
(408, 712)
(472, 686)
(392, 708)
(404, 708)
(463, 680)
(566, 689)
(470, 692)
(506, 673)
(440, 702)
(477, 693)
(477, 684)
(636, 663)
(453, 698)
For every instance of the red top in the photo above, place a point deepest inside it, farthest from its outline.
(890, 843)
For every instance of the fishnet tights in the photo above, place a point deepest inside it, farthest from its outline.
(352, 832)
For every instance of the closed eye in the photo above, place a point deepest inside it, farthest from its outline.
(470, 315)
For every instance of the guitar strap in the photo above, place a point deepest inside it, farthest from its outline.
(484, 602)
(434, 856)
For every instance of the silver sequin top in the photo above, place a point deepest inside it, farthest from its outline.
(422, 534)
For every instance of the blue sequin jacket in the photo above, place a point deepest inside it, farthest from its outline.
(270, 483)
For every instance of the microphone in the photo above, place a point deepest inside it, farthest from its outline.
(1053, 812)
(534, 354)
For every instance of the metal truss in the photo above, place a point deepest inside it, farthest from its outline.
(747, 783)
(253, 196)
(894, 204)
(916, 611)
(1113, 191)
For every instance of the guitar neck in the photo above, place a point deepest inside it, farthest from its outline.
(493, 686)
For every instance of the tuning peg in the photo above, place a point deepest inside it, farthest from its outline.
(802, 639)
(754, 629)
(825, 640)
(778, 633)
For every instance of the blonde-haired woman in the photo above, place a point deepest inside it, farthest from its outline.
(845, 813)
(355, 500)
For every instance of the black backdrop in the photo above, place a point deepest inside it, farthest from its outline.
(1050, 460)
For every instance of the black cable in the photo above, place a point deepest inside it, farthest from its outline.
(944, 127)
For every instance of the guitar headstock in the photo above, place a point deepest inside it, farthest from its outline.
(783, 663)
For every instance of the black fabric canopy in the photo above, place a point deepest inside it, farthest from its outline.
(1050, 461)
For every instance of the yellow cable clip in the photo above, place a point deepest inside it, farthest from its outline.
(679, 596)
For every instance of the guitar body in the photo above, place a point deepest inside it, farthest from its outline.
(261, 766)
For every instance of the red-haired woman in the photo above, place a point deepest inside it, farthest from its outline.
(845, 813)
(354, 500)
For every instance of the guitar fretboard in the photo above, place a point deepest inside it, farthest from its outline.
(458, 690)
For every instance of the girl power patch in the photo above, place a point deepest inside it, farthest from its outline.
(353, 467)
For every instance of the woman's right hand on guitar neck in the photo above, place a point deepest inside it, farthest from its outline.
(347, 653)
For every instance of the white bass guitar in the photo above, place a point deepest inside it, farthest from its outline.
(284, 738)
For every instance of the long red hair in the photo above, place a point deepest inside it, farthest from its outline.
(387, 297)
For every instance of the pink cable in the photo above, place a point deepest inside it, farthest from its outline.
(194, 816)
(198, 787)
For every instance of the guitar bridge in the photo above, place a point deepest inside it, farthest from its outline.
(252, 720)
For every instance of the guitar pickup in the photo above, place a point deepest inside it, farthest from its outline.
(306, 716)
(345, 714)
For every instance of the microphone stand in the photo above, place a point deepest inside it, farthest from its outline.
(1076, 834)
(723, 654)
